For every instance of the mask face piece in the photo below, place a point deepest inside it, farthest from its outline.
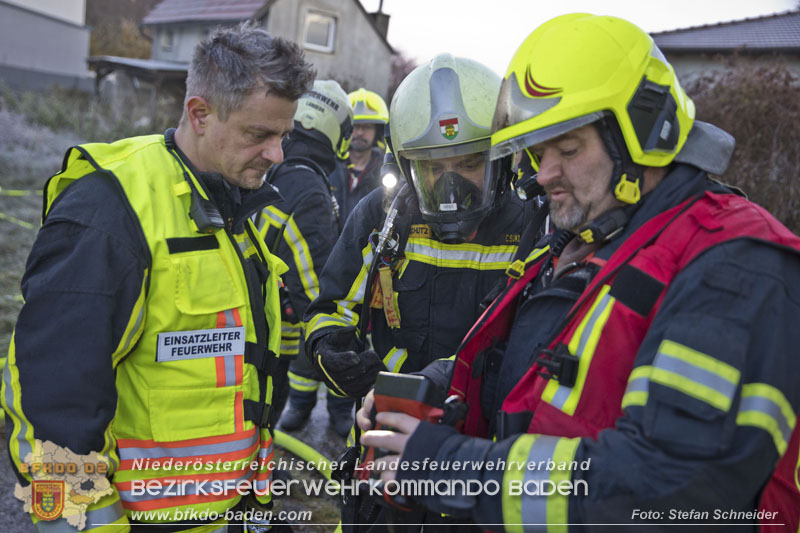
(453, 192)
(453, 185)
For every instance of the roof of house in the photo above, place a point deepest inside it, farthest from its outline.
(152, 65)
(174, 11)
(169, 11)
(771, 33)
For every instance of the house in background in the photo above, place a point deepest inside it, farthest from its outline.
(703, 50)
(339, 37)
(44, 43)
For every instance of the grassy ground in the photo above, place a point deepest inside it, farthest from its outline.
(29, 154)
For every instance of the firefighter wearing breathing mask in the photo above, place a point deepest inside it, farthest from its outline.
(452, 233)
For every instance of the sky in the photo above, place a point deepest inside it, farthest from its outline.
(490, 31)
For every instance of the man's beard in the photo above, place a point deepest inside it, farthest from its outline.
(359, 144)
(570, 216)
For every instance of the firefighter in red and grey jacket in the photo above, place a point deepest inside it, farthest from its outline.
(646, 356)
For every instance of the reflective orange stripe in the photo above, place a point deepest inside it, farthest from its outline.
(265, 455)
(176, 501)
(239, 446)
(217, 439)
(239, 362)
(220, 362)
(203, 476)
(230, 369)
(237, 455)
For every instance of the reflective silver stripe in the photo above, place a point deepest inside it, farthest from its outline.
(261, 485)
(534, 508)
(498, 256)
(230, 370)
(290, 338)
(290, 346)
(696, 374)
(638, 387)
(561, 395)
(130, 453)
(344, 314)
(323, 321)
(349, 314)
(395, 358)
(109, 448)
(301, 379)
(304, 385)
(303, 257)
(230, 361)
(263, 453)
(275, 216)
(136, 326)
(769, 408)
(279, 219)
(262, 221)
(21, 429)
(291, 330)
(641, 384)
(94, 518)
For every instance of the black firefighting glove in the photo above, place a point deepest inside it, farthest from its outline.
(343, 366)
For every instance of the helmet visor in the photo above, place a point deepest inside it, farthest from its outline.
(532, 138)
(453, 187)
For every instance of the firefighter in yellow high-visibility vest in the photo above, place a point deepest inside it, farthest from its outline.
(152, 322)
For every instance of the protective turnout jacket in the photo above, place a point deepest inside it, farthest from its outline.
(301, 228)
(667, 385)
(145, 341)
(435, 288)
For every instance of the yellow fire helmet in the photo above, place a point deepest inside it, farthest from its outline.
(368, 107)
(577, 69)
(326, 109)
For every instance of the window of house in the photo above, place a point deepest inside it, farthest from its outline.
(319, 31)
(167, 40)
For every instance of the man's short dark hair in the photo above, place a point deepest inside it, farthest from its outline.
(234, 61)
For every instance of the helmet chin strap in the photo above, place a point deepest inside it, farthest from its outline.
(627, 182)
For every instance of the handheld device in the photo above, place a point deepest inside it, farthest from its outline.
(402, 393)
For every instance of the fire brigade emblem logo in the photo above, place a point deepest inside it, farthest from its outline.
(537, 90)
(449, 128)
(48, 499)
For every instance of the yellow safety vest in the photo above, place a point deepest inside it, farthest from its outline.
(186, 367)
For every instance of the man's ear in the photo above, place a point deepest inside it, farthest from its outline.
(198, 110)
